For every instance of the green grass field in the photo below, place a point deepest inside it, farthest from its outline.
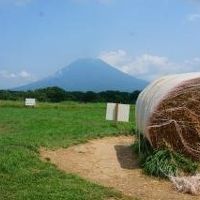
(24, 130)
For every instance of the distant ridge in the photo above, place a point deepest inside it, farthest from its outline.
(89, 75)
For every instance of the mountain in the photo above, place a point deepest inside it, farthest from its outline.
(89, 75)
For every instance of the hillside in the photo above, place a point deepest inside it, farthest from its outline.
(89, 75)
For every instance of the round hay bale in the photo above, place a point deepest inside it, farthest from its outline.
(168, 113)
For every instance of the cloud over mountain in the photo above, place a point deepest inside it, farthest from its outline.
(148, 66)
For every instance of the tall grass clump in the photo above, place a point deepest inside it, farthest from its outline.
(162, 162)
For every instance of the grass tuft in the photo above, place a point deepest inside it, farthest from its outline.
(163, 162)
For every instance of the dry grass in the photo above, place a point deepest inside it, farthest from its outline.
(187, 184)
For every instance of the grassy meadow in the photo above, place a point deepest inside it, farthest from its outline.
(24, 130)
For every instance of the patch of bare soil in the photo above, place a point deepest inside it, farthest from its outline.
(110, 162)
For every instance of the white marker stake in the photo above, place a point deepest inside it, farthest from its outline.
(118, 112)
(123, 113)
(30, 102)
(111, 111)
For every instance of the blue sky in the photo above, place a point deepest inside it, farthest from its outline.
(145, 38)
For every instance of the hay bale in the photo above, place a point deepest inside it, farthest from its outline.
(168, 113)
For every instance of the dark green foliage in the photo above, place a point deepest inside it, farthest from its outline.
(160, 164)
(186, 164)
(163, 163)
(55, 94)
(90, 97)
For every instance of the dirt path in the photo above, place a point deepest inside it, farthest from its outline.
(110, 162)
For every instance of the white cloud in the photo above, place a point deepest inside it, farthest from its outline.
(147, 66)
(22, 75)
(119, 57)
(193, 17)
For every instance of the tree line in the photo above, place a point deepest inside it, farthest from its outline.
(56, 94)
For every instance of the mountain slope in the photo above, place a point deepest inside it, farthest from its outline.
(89, 75)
